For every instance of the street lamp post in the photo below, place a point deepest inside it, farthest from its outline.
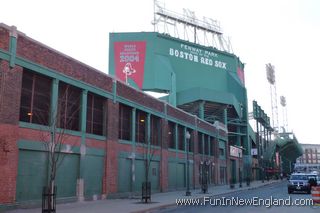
(188, 193)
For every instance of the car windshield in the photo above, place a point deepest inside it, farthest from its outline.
(298, 177)
(312, 177)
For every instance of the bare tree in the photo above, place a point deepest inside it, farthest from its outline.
(148, 154)
(54, 135)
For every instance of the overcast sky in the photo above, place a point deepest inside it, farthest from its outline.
(285, 33)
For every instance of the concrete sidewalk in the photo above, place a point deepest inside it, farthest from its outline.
(159, 200)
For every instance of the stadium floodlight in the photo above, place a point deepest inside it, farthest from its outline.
(270, 73)
(283, 101)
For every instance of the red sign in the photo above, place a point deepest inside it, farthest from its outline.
(129, 57)
(271, 170)
(240, 73)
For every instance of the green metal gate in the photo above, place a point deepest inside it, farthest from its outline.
(33, 174)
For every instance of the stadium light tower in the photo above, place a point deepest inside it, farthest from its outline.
(283, 103)
(273, 94)
(204, 31)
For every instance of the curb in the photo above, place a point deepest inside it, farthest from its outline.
(148, 210)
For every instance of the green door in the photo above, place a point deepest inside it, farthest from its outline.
(181, 177)
(93, 175)
(233, 171)
(172, 173)
(67, 175)
(140, 171)
(32, 175)
(124, 174)
(154, 175)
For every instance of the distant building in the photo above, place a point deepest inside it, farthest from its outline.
(310, 160)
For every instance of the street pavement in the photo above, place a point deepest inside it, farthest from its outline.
(166, 202)
(267, 193)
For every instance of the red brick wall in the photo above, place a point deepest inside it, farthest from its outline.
(10, 90)
(95, 143)
(10, 87)
(8, 162)
(179, 114)
(206, 126)
(111, 165)
(196, 174)
(37, 53)
(4, 39)
(41, 136)
(139, 97)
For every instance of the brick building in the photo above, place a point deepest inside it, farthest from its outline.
(110, 130)
(310, 159)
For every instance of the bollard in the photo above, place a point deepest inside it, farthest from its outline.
(315, 192)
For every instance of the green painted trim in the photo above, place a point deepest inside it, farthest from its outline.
(95, 152)
(176, 138)
(140, 107)
(173, 92)
(123, 154)
(201, 110)
(146, 145)
(211, 95)
(172, 150)
(5, 55)
(39, 146)
(23, 124)
(125, 142)
(225, 117)
(181, 151)
(155, 147)
(83, 115)
(237, 124)
(31, 145)
(239, 134)
(138, 156)
(207, 133)
(13, 50)
(178, 121)
(133, 128)
(166, 111)
(194, 128)
(54, 101)
(83, 126)
(209, 146)
(46, 128)
(222, 145)
(185, 139)
(172, 159)
(177, 160)
(149, 133)
(202, 141)
(96, 137)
